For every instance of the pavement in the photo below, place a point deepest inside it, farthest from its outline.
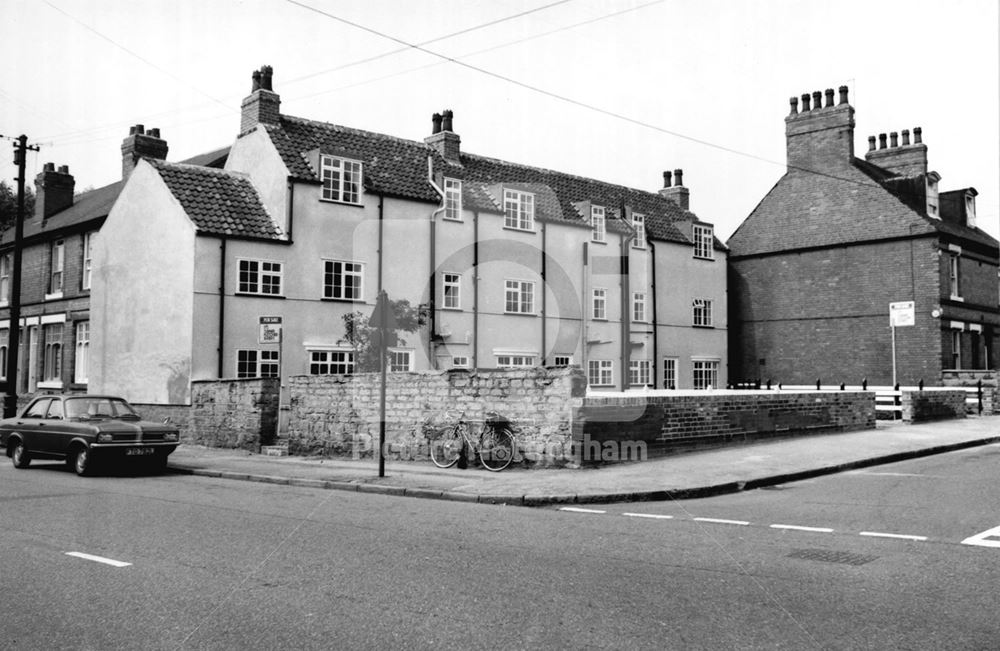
(679, 476)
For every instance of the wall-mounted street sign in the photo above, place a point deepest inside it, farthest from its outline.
(901, 314)
(270, 330)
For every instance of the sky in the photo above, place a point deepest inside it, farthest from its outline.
(616, 90)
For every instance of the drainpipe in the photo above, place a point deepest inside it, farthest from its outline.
(626, 288)
(290, 208)
(475, 290)
(381, 239)
(587, 309)
(652, 287)
(544, 231)
(222, 304)
(432, 307)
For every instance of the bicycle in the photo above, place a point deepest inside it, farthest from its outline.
(495, 444)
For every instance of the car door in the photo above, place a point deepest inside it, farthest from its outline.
(28, 424)
(55, 429)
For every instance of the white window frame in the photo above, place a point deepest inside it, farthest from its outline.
(598, 224)
(57, 270)
(453, 281)
(956, 349)
(508, 360)
(341, 178)
(269, 277)
(562, 360)
(262, 359)
(518, 289)
(5, 268)
(400, 360)
(639, 307)
(704, 242)
(52, 355)
(639, 374)
(460, 361)
(639, 225)
(519, 210)
(341, 358)
(334, 292)
(599, 304)
(705, 373)
(670, 372)
(81, 366)
(453, 199)
(88, 259)
(701, 312)
(4, 338)
(954, 277)
(600, 372)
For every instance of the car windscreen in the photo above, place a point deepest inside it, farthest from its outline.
(99, 408)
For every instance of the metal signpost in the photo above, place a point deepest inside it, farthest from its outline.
(901, 314)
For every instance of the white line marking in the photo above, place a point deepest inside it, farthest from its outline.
(652, 516)
(980, 538)
(573, 509)
(98, 559)
(796, 527)
(720, 521)
(896, 474)
(903, 536)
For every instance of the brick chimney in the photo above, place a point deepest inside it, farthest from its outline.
(262, 105)
(53, 190)
(141, 144)
(903, 158)
(820, 136)
(676, 192)
(443, 139)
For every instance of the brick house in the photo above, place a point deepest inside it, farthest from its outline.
(57, 270)
(815, 266)
(518, 266)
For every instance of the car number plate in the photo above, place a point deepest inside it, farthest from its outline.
(138, 451)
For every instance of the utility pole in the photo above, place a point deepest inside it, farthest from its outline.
(21, 147)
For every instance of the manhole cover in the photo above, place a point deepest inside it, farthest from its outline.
(832, 556)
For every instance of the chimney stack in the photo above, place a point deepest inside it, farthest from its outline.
(820, 137)
(904, 159)
(443, 139)
(262, 105)
(676, 193)
(53, 190)
(141, 144)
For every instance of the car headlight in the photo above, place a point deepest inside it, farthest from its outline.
(104, 438)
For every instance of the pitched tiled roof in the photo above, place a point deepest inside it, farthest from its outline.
(398, 167)
(217, 201)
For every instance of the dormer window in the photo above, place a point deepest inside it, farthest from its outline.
(933, 209)
(704, 242)
(453, 199)
(639, 224)
(341, 179)
(519, 210)
(597, 223)
(970, 210)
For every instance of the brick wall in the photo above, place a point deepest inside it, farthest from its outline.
(990, 383)
(234, 413)
(933, 404)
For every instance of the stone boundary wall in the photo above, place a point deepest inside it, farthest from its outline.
(933, 404)
(339, 415)
(179, 415)
(239, 413)
(671, 421)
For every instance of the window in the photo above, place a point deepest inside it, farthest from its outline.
(58, 263)
(82, 367)
(4, 338)
(600, 303)
(597, 223)
(706, 374)
(669, 372)
(331, 362)
(400, 360)
(515, 361)
(639, 224)
(246, 363)
(343, 280)
(638, 373)
(4, 279)
(52, 360)
(452, 291)
(452, 199)
(519, 210)
(702, 312)
(953, 275)
(600, 372)
(341, 179)
(519, 297)
(970, 211)
(88, 246)
(704, 242)
(257, 363)
(562, 360)
(956, 349)
(638, 306)
(460, 361)
(259, 277)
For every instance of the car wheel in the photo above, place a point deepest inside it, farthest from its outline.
(19, 455)
(81, 461)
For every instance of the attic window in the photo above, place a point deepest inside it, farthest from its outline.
(970, 211)
(341, 179)
(597, 223)
(703, 242)
(519, 210)
(452, 199)
(932, 197)
(639, 224)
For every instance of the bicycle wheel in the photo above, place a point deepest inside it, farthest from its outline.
(446, 448)
(497, 448)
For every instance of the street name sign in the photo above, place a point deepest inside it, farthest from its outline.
(901, 314)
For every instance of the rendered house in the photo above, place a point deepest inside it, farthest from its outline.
(518, 266)
(815, 266)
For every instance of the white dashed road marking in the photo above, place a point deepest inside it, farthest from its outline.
(98, 559)
(988, 538)
(901, 536)
(742, 523)
(651, 516)
(573, 509)
(796, 527)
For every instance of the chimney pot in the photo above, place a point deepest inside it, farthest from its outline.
(881, 141)
(49, 167)
(265, 77)
(829, 97)
(678, 178)
(436, 123)
(155, 133)
(843, 94)
(805, 103)
(446, 118)
(871, 143)
(64, 169)
(894, 139)
(906, 137)
(794, 101)
(917, 135)
(256, 81)
(817, 99)
(666, 179)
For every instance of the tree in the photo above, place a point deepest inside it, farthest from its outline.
(8, 204)
(364, 338)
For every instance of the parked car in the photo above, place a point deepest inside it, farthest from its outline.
(83, 429)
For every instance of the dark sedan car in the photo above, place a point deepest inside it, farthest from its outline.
(82, 430)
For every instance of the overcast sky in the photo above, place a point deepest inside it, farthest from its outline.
(617, 90)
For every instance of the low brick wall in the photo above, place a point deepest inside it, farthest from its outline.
(968, 379)
(933, 404)
(679, 420)
(234, 413)
(339, 415)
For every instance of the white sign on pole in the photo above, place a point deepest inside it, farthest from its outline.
(270, 330)
(901, 314)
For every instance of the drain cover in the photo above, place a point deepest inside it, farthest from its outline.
(832, 556)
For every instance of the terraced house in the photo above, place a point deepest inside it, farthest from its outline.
(516, 266)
